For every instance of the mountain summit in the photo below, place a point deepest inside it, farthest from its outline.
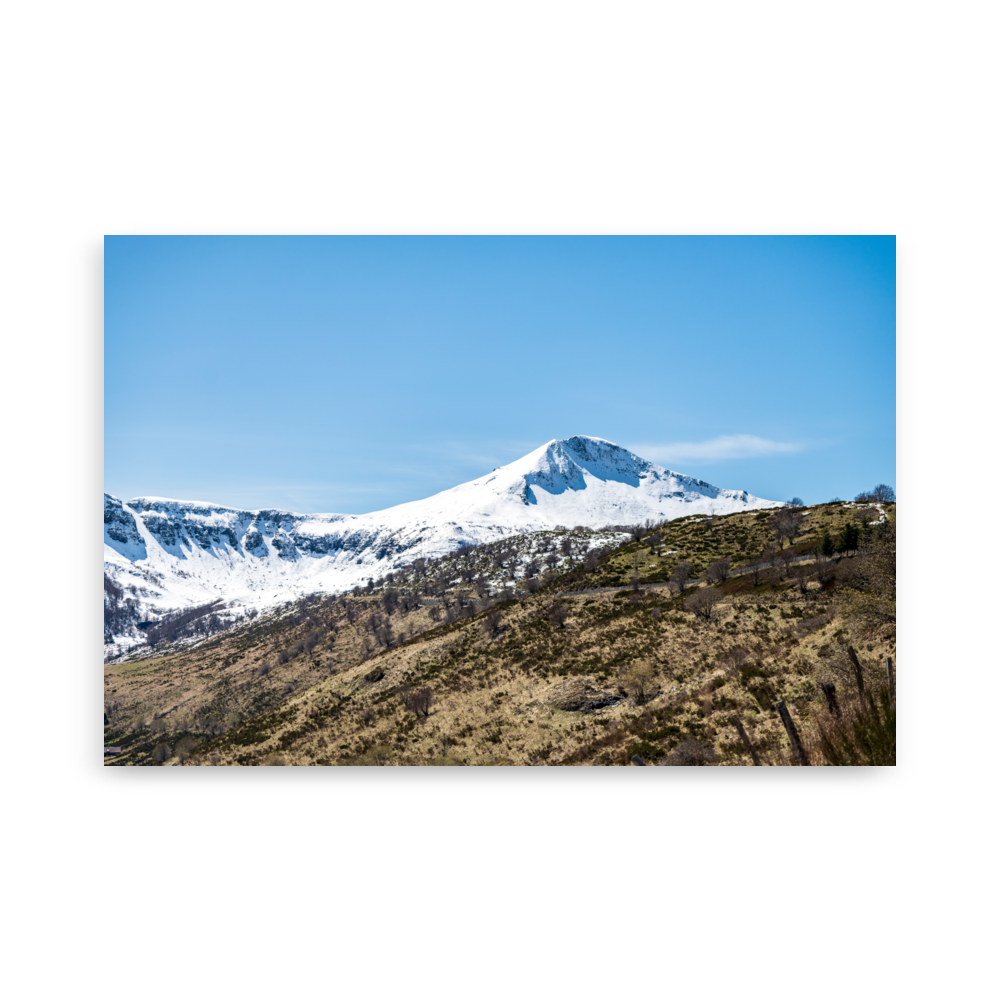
(176, 552)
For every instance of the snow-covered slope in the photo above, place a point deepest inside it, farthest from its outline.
(177, 553)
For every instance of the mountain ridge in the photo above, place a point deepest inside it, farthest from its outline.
(173, 553)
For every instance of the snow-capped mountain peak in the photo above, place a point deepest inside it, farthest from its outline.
(176, 552)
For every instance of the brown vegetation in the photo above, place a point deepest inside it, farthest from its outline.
(374, 680)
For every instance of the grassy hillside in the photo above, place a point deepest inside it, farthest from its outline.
(470, 660)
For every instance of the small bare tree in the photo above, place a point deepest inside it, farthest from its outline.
(679, 578)
(636, 578)
(702, 602)
(783, 562)
(419, 701)
(558, 612)
(779, 523)
(492, 623)
(718, 572)
(793, 525)
(826, 570)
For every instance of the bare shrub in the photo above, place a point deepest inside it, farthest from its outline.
(377, 756)
(868, 602)
(493, 623)
(689, 753)
(558, 612)
(866, 516)
(733, 659)
(162, 753)
(184, 748)
(638, 681)
(702, 602)
(826, 571)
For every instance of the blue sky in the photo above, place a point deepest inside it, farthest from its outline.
(349, 374)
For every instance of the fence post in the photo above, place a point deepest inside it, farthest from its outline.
(793, 734)
(891, 676)
(746, 742)
(830, 690)
(857, 671)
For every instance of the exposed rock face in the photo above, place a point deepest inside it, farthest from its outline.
(120, 530)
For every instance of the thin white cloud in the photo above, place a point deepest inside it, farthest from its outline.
(719, 448)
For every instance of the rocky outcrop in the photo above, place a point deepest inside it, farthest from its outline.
(576, 694)
(119, 524)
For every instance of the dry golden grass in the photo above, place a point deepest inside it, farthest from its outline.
(510, 695)
(499, 701)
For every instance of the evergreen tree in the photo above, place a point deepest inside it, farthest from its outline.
(826, 545)
(847, 541)
(864, 534)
